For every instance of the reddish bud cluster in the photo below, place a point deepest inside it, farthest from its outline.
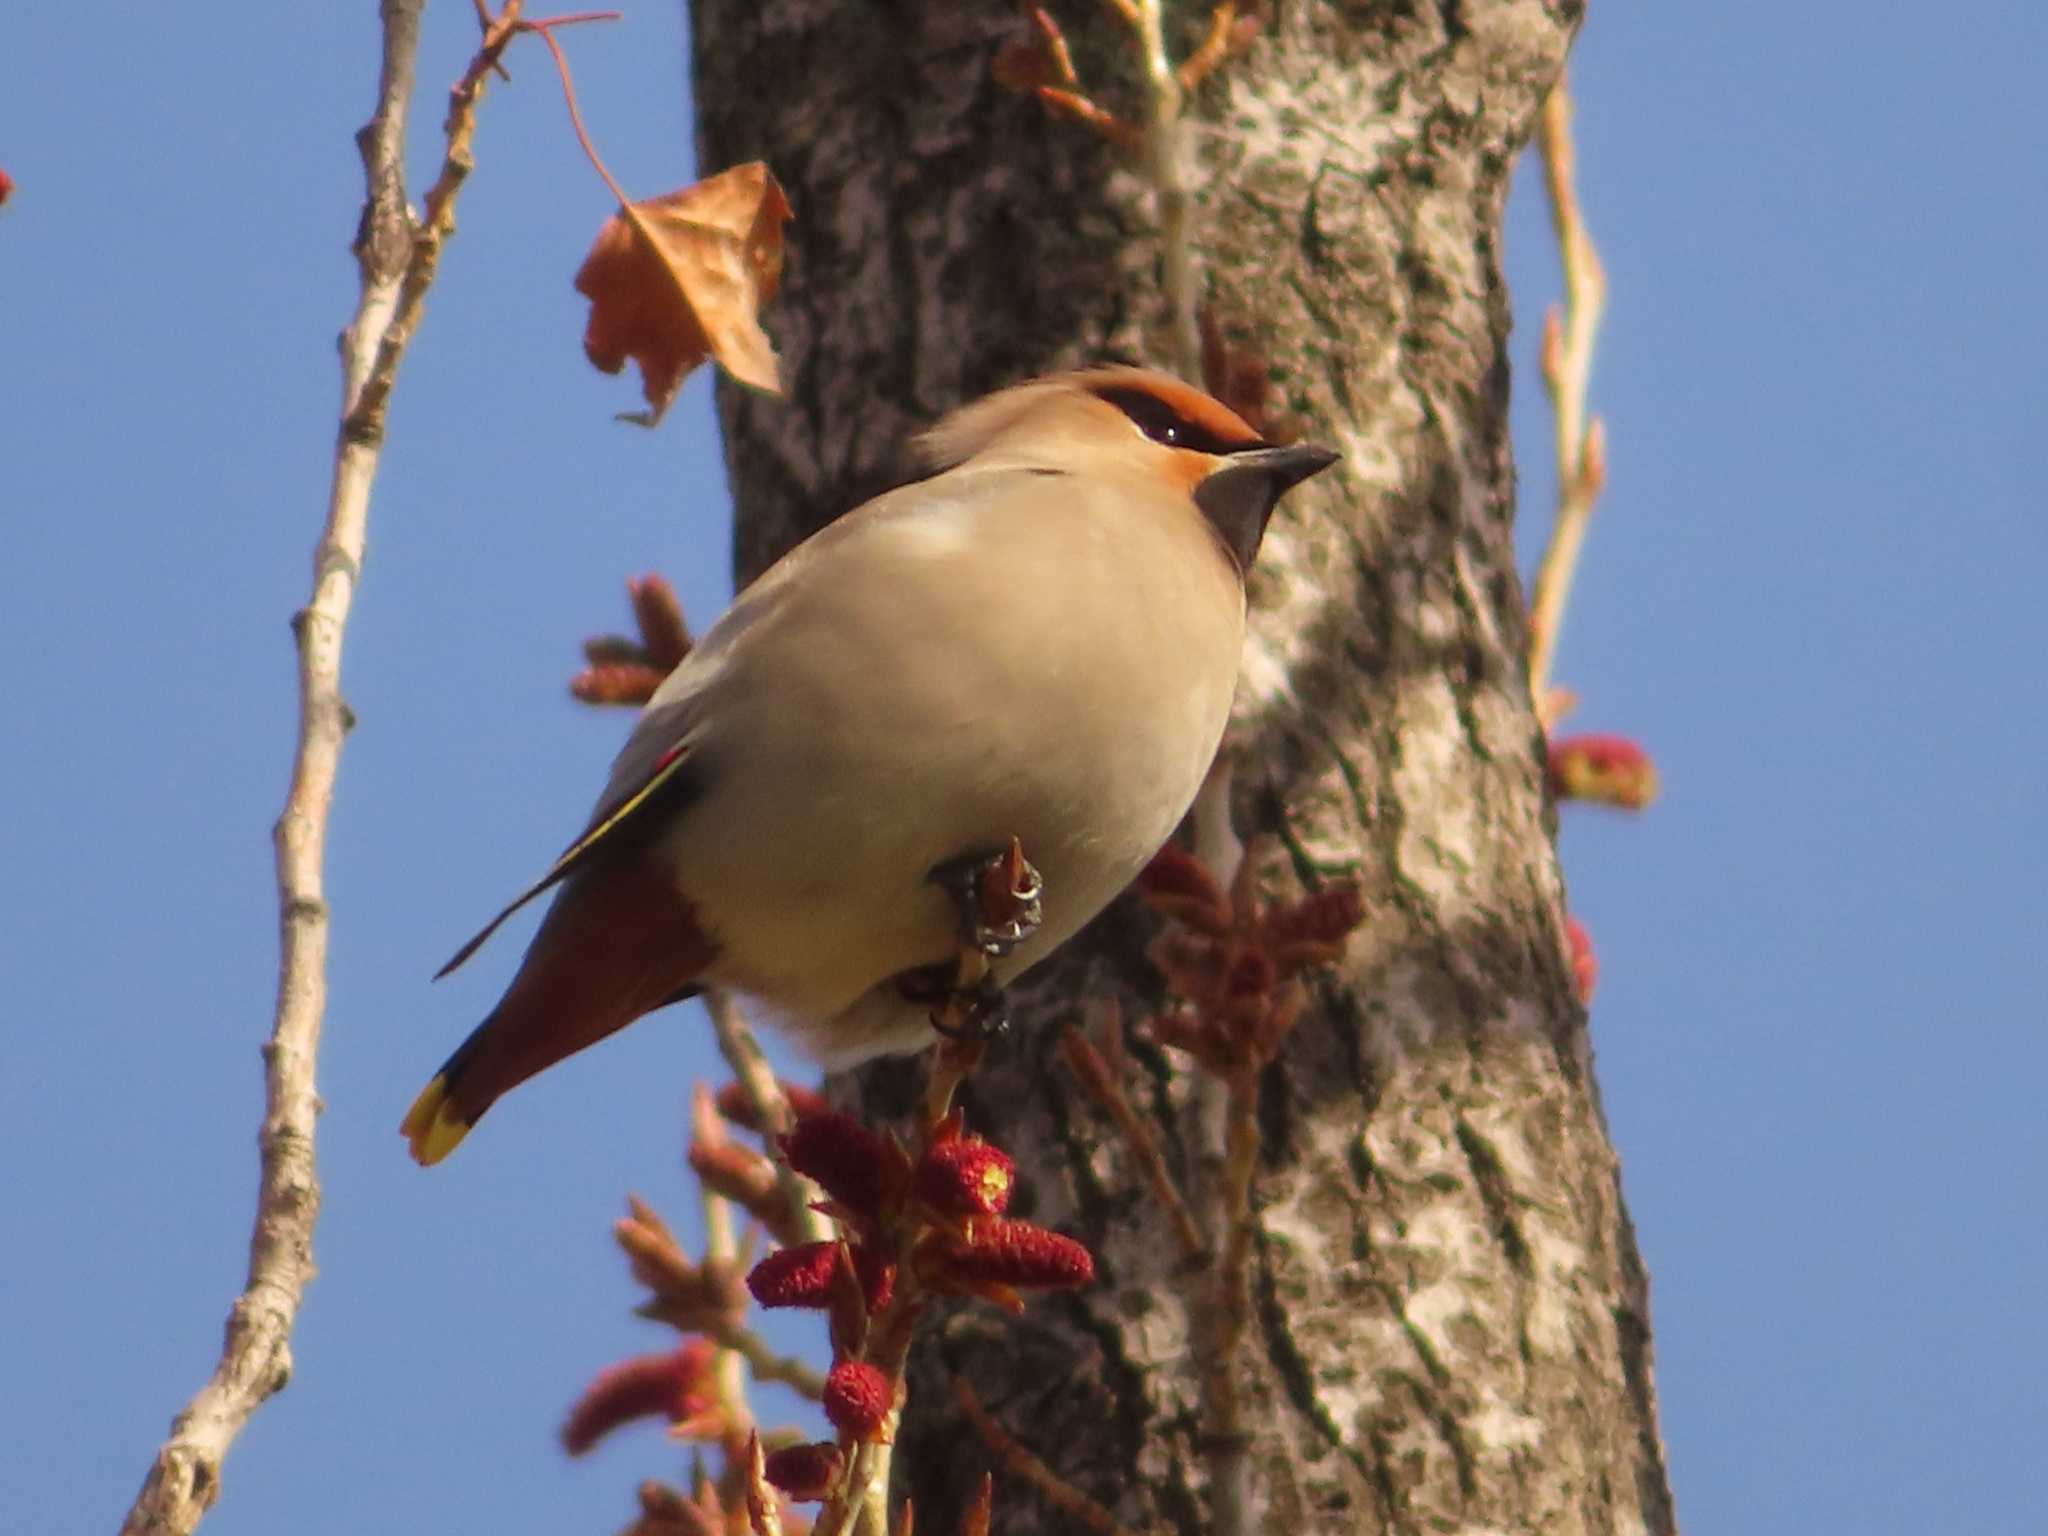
(1598, 770)
(1602, 770)
(689, 1296)
(911, 1229)
(1237, 961)
(625, 671)
(737, 1105)
(945, 1209)
(942, 1213)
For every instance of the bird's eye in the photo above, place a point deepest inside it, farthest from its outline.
(1152, 416)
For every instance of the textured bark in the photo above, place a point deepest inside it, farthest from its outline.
(1451, 1321)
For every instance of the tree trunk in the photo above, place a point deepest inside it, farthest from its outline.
(1451, 1323)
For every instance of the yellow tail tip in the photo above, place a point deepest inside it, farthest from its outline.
(430, 1127)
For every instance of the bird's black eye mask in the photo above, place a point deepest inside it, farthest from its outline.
(1161, 422)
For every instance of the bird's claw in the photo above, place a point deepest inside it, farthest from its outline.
(996, 897)
(982, 1011)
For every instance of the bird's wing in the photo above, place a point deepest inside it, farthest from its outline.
(650, 777)
(667, 785)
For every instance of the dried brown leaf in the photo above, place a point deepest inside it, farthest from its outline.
(673, 280)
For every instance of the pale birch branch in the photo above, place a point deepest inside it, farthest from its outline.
(1567, 362)
(396, 256)
(750, 1066)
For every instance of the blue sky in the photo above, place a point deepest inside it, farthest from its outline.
(1813, 591)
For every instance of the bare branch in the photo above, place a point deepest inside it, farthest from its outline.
(1166, 163)
(1228, 1441)
(749, 1064)
(764, 1364)
(1100, 1074)
(397, 256)
(1027, 1468)
(1567, 367)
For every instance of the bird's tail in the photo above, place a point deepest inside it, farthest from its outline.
(609, 951)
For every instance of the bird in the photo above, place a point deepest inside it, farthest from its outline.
(1037, 639)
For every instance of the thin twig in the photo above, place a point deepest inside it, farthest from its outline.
(256, 1360)
(765, 1364)
(1567, 366)
(1027, 1468)
(749, 1063)
(1098, 1072)
(1166, 164)
(721, 1247)
(861, 1503)
(422, 258)
(960, 1045)
(569, 95)
(1223, 1426)
(1216, 48)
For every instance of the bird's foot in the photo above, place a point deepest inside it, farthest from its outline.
(995, 896)
(979, 1012)
(975, 1010)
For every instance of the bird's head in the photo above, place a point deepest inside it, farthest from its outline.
(1134, 421)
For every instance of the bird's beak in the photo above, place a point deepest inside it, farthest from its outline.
(1284, 467)
(1238, 497)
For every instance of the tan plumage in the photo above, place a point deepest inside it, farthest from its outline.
(1040, 640)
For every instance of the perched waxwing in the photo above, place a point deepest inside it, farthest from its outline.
(1037, 640)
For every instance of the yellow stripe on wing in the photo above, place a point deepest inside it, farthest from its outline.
(578, 852)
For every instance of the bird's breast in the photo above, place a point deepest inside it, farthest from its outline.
(953, 675)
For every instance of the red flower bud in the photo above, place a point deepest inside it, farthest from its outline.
(1005, 1252)
(729, 1169)
(1181, 887)
(1606, 770)
(795, 1277)
(737, 1105)
(1585, 967)
(805, 1472)
(858, 1397)
(1312, 931)
(967, 1177)
(852, 1164)
(616, 683)
(660, 618)
(673, 1386)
